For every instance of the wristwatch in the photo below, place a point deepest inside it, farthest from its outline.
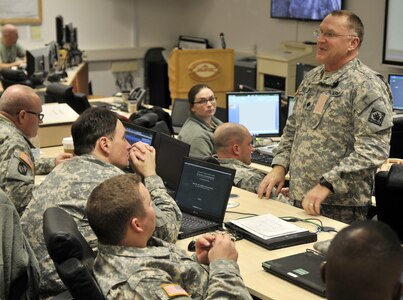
(325, 183)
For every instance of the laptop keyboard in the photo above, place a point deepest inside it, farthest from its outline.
(261, 158)
(192, 222)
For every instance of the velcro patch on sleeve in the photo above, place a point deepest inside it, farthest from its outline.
(376, 117)
(174, 290)
(27, 160)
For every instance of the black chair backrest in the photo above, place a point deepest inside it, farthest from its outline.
(388, 190)
(71, 254)
(180, 113)
(221, 114)
(396, 145)
(10, 77)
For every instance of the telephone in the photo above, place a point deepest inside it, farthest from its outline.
(138, 95)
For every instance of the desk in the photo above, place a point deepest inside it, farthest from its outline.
(251, 256)
(259, 282)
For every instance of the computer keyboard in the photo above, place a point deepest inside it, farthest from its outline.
(261, 158)
(193, 222)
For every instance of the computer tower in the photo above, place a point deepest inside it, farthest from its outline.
(245, 73)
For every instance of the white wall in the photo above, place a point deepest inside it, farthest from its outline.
(112, 24)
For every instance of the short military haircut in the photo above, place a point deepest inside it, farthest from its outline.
(354, 21)
(112, 205)
(16, 98)
(91, 125)
(228, 134)
(363, 259)
(194, 90)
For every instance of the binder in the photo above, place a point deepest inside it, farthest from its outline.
(271, 232)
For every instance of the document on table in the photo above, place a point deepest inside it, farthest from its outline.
(267, 226)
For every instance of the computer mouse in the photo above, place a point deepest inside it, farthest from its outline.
(192, 246)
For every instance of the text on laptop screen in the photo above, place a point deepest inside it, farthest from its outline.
(257, 111)
(396, 85)
(203, 187)
(169, 161)
(136, 134)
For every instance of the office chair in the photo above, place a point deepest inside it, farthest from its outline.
(388, 187)
(396, 145)
(221, 114)
(9, 77)
(180, 113)
(71, 254)
(57, 92)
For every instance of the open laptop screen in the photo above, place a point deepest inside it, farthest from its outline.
(135, 133)
(204, 189)
(169, 161)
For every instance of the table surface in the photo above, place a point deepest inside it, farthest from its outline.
(251, 256)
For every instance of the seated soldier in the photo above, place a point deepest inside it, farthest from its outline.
(131, 264)
(101, 152)
(364, 261)
(233, 145)
(17, 258)
(20, 117)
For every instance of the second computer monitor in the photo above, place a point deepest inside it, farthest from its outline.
(396, 86)
(257, 111)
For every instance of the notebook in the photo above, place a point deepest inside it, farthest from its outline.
(271, 232)
(202, 196)
(302, 269)
(135, 133)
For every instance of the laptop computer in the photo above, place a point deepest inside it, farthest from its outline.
(169, 160)
(202, 196)
(135, 133)
(302, 269)
(271, 232)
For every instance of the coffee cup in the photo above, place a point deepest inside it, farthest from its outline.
(132, 106)
(68, 145)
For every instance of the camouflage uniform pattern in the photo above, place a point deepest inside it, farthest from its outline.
(139, 273)
(18, 166)
(199, 136)
(246, 177)
(68, 187)
(345, 141)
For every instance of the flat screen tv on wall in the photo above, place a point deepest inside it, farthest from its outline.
(392, 39)
(304, 10)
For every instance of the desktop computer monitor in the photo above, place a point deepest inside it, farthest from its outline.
(302, 70)
(396, 85)
(38, 65)
(257, 111)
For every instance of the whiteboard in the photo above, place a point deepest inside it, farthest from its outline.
(21, 11)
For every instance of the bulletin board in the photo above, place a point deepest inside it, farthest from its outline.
(21, 11)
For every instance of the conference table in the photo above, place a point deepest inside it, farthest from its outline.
(260, 283)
